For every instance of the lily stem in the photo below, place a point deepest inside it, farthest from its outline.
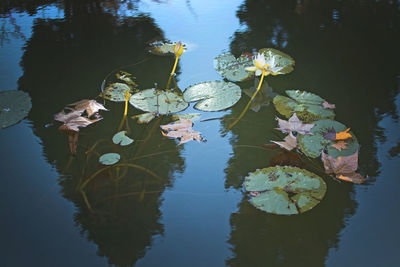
(248, 104)
(176, 63)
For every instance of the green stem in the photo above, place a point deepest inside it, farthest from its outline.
(248, 104)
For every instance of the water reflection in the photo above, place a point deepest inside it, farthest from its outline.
(343, 55)
(66, 60)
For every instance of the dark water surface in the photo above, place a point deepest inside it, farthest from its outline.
(197, 214)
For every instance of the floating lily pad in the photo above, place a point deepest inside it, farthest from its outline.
(285, 190)
(109, 158)
(307, 106)
(163, 49)
(116, 92)
(213, 96)
(312, 145)
(121, 139)
(161, 102)
(14, 106)
(187, 116)
(145, 117)
(233, 68)
(280, 59)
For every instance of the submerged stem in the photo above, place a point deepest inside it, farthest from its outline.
(248, 104)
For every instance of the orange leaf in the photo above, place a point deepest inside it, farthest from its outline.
(343, 135)
(351, 177)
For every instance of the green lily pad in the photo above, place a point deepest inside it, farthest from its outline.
(116, 92)
(121, 139)
(281, 59)
(163, 48)
(187, 116)
(109, 158)
(157, 101)
(307, 106)
(312, 145)
(145, 117)
(285, 190)
(14, 106)
(233, 69)
(213, 96)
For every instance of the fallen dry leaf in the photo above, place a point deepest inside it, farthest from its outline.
(181, 129)
(340, 145)
(332, 135)
(294, 125)
(326, 105)
(75, 122)
(91, 106)
(180, 124)
(343, 167)
(289, 143)
(343, 135)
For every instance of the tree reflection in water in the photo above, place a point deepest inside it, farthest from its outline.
(345, 56)
(66, 60)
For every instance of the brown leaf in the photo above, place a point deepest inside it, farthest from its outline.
(289, 143)
(75, 123)
(91, 106)
(344, 167)
(340, 145)
(182, 130)
(326, 105)
(294, 125)
(180, 124)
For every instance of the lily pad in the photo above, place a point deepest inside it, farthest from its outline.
(312, 145)
(145, 117)
(281, 59)
(285, 190)
(121, 139)
(109, 158)
(14, 106)
(233, 68)
(163, 48)
(187, 116)
(116, 92)
(307, 106)
(157, 101)
(213, 96)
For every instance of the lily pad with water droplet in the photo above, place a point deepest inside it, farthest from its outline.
(14, 106)
(280, 59)
(163, 48)
(213, 96)
(109, 158)
(285, 190)
(157, 101)
(116, 92)
(121, 139)
(312, 145)
(232, 68)
(307, 106)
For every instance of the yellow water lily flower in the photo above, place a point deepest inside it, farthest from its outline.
(260, 65)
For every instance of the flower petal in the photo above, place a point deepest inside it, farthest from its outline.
(251, 68)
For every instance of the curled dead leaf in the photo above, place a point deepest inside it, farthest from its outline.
(340, 145)
(182, 130)
(290, 142)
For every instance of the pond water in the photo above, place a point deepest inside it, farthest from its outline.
(198, 214)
